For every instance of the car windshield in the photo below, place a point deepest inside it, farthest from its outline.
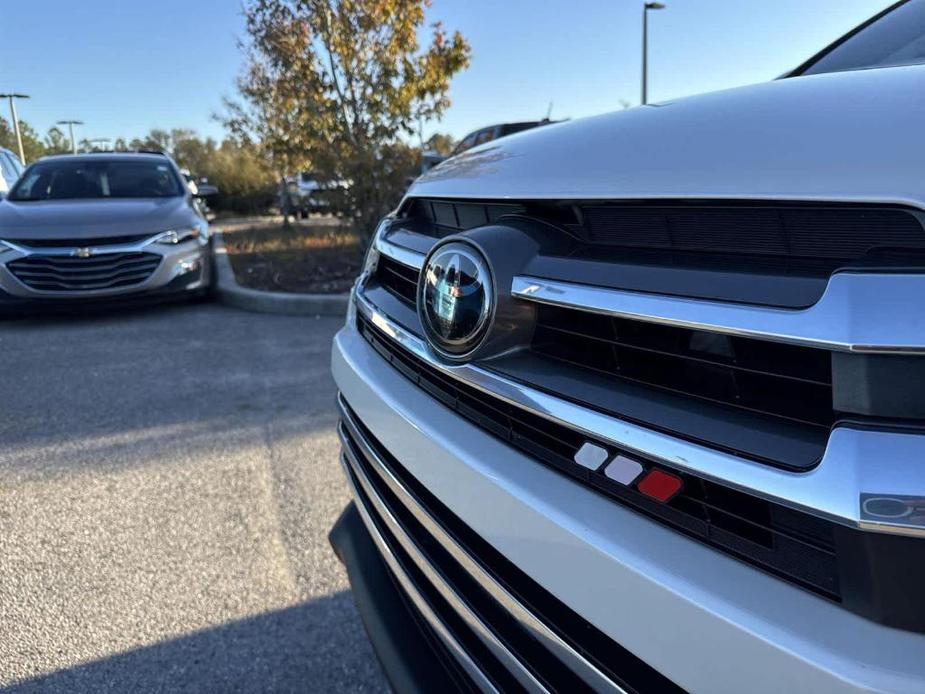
(99, 179)
(895, 38)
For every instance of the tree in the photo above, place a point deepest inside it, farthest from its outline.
(441, 143)
(336, 86)
(31, 144)
(56, 142)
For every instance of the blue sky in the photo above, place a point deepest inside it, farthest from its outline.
(126, 66)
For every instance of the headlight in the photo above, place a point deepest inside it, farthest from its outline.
(175, 236)
(372, 253)
(370, 261)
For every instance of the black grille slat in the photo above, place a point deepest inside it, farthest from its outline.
(783, 381)
(820, 380)
(80, 265)
(829, 233)
(398, 279)
(65, 273)
(114, 271)
(80, 243)
(790, 544)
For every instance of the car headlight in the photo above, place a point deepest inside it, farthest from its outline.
(175, 236)
(372, 253)
(370, 261)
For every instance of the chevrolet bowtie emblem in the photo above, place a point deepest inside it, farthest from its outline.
(83, 252)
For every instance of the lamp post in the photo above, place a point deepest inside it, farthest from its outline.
(12, 97)
(70, 124)
(645, 45)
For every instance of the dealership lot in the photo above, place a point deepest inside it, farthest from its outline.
(167, 480)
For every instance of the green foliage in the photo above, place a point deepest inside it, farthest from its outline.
(31, 144)
(238, 168)
(56, 142)
(335, 86)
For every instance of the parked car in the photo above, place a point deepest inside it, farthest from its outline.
(101, 227)
(306, 194)
(430, 158)
(10, 170)
(202, 192)
(635, 403)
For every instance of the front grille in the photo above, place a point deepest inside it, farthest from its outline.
(784, 381)
(399, 279)
(609, 657)
(833, 233)
(736, 235)
(795, 546)
(66, 273)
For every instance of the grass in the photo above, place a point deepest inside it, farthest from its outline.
(314, 257)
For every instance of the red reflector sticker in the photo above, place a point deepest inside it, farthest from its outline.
(659, 485)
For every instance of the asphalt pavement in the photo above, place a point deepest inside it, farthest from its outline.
(167, 480)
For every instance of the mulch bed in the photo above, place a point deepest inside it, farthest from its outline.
(308, 259)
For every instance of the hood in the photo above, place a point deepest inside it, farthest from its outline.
(841, 137)
(77, 219)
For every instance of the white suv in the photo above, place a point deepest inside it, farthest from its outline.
(635, 403)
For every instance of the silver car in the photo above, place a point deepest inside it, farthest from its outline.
(100, 227)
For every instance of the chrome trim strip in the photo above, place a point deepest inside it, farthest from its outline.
(400, 254)
(874, 313)
(517, 669)
(857, 463)
(415, 596)
(98, 250)
(563, 651)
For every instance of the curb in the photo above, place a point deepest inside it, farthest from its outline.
(285, 303)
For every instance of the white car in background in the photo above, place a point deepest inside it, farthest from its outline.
(10, 170)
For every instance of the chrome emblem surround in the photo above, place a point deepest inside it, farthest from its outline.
(455, 299)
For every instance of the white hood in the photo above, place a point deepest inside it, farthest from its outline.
(842, 137)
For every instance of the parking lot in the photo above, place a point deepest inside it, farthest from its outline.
(167, 480)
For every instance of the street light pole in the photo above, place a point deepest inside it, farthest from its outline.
(11, 97)
(70, 124)
(645, 46)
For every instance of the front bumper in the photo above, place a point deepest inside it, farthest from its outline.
(670, 605)
(186, 267)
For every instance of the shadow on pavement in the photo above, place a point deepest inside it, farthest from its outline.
(207, 368)
(311, 647)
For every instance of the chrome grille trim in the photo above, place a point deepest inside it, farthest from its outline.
(857, 463)
(879, 313)
(400, 254)
(565, 653)
(516, 668)
(415, 596)
(25, 249)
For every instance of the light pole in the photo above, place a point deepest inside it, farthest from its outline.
(70, 124)
(645, 45)
(11, 97)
